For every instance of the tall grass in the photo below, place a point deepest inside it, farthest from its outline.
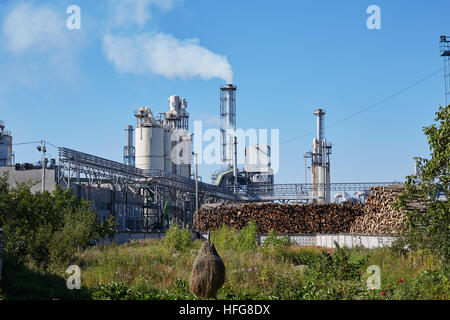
(150, 269)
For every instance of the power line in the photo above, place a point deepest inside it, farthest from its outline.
(371, 106)
(34, 142)
(52, 145)
(22, 143)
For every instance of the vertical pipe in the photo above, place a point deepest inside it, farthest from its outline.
(305, 173)
(235, 165)
(196, 182)
(43, 165)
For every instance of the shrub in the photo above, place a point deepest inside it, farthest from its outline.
(112, 291)
(44, 228)
(248, 237)
(224, 237)
(273, 244)
(178, 239)
(339, 265)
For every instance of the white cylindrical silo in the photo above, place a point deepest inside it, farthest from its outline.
(149, 147)
(174, 103)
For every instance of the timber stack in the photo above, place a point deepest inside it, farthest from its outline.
(379, 216)
(281, 218)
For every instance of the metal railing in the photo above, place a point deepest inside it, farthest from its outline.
(301, 191)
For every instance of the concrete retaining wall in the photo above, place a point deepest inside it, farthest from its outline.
(351, 241)
(327, 240)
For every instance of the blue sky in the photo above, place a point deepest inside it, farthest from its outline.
(287, 57)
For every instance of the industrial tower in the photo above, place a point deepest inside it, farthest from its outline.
(6, 153)
(445, 53)
(320, 162)
(227, 122)
(128, 149)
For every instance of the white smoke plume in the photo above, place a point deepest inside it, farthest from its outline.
(130, 12)
(163, 54)
(28, 27)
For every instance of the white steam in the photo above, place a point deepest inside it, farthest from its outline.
(165, 55)
(28, 26)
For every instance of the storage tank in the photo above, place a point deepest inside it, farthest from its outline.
(149, 142)
(6, 154)
(149, 148)
(174, 104)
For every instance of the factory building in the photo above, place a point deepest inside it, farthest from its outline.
(6, 153)
(256, 169)
(257, 164)
(163, 143)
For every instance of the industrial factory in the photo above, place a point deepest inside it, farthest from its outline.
(156, 185)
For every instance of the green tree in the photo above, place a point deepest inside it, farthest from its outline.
(426, 198)
(46, 227)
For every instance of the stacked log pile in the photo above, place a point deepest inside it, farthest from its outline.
(281, 218)
(376, 217)
(379, 216)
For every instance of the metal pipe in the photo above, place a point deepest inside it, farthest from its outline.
(196, 181)
(235, 165)
(43, 150)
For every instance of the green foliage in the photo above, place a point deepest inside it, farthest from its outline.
(229, 238)
(178, 239)
(224, 237)
(145, 271)
(339, 265)
(121, 291)
(46, 228)
(429, 227)
(302, 256)
(427, 285)
(248, 237)
(112, 291)
(273, 244)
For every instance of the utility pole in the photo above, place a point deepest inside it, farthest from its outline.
(43, 149)
(235, 165)
(196, 180)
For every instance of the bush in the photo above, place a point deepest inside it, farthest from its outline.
(46, 228)
(229, 238)
(248, 237)
(224, 237)
(112, 291)
(339, 265)
(273, 244)
(178, 239)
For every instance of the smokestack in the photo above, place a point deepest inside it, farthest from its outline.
(227, 121)
(319, 113)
